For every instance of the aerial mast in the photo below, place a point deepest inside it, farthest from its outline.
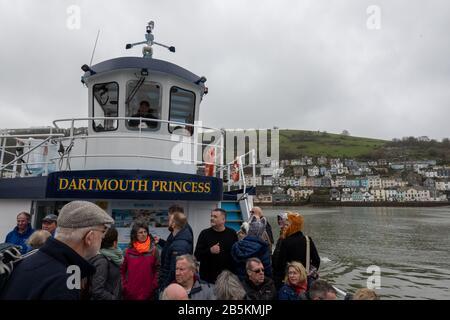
(147, 50)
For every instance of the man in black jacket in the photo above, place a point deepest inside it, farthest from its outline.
(59, 270)
(213, 249)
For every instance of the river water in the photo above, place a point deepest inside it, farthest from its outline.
(411, 246)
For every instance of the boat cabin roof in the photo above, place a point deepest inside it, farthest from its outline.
(154, 65)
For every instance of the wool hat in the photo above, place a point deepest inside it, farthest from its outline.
(282, 216)
(295, 223)
(256, 227)
(50, 218)
(82, 214)
(282, 219)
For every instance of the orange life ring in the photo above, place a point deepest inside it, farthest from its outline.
(210, 158)
(235, 171)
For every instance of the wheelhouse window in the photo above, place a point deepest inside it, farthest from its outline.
(182, 107)
(106, 97)
(143, 102)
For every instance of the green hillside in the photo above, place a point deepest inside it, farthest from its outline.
(312, 143)
(297, 143)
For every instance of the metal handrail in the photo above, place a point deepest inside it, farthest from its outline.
(72, 138)
(16, 161)
(126, 156)
(25, 154)
(252, 152)
(137, 136)
(134, 118)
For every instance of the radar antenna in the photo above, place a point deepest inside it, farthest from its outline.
(147, 50)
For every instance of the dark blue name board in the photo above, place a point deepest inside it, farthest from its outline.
(133, 184)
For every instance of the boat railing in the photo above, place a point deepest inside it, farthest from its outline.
(239, 165)
(14, 159)
(185, 134)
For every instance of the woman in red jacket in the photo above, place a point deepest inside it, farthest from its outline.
(139, 271)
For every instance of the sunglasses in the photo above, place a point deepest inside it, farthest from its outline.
(103, 231)
(257, 270)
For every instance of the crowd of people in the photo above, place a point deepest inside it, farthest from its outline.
(226, 265)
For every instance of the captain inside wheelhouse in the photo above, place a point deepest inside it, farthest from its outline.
(143, 99)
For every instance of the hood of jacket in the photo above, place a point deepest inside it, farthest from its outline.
(67, 256)
(248, 247)
(114, 254)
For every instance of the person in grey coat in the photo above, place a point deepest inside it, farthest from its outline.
(186, 275)
(106, 283)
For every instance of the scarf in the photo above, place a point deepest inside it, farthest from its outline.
(142, 247)
(299, 288)
(115, 255)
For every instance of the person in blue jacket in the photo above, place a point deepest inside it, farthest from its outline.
(180, 243)
(20, 234)
(252, 246)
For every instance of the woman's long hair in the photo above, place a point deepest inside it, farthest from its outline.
(135, 230)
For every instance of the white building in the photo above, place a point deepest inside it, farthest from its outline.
(443, 185)
(299, 193)
(265, 171)
(313, 172)
(267, 181)
(374, 181)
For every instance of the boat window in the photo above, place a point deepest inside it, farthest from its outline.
(106, 97)
(182, 107)
(143, 103)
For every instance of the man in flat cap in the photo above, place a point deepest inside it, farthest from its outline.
(49, 223)
(59, 270)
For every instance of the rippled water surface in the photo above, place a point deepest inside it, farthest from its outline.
(410, 245)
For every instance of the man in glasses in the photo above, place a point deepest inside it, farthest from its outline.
(59, 270)
(257, 285)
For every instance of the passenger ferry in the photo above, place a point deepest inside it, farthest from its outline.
(139, 150)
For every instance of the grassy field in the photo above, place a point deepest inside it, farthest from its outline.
(296, 143)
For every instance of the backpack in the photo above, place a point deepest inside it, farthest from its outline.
(10, 256)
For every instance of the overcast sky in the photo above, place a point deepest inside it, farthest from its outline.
(299, 64)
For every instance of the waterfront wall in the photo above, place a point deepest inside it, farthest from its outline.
(352, 204)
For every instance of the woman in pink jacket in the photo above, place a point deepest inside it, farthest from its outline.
(139, 271)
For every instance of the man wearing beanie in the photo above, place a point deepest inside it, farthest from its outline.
(59, 270)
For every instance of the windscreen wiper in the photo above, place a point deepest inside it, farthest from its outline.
(135, 90)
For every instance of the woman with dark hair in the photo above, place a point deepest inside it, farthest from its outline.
(105, 283)
(140, 267)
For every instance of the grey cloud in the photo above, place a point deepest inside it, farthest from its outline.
(294, 64)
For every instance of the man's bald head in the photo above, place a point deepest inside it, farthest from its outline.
(256, 211)
(174, 292)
